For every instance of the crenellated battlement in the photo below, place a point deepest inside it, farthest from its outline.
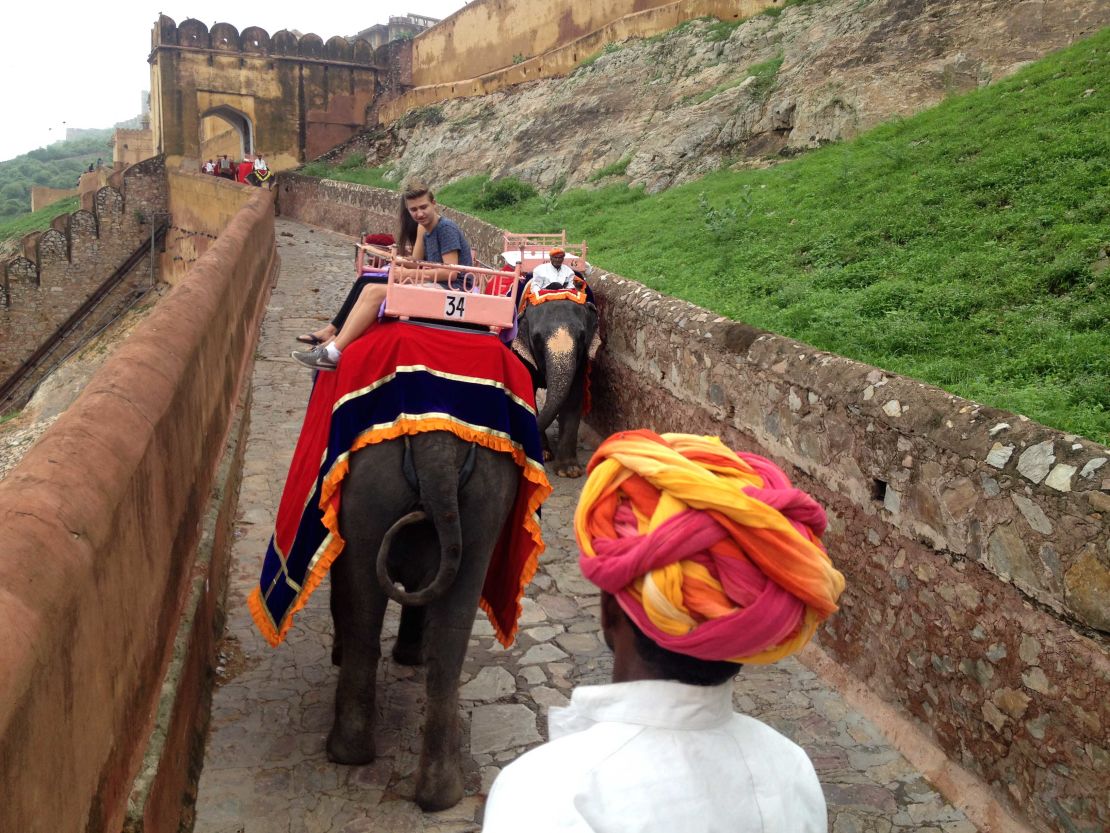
(60, 268)
(192, 34)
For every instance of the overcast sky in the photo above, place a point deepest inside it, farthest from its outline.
(65, 64)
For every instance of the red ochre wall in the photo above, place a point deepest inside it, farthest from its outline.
(975, 542)
(101, 523)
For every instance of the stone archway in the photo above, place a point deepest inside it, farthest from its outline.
(291, 97)
(224, 129)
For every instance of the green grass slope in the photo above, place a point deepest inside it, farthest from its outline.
(966, 246)
(22, 224)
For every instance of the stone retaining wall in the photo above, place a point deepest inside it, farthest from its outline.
(975, 542)
(101, 523)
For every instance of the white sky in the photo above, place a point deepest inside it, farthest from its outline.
(66, 64)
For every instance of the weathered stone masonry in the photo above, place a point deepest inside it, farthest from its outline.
(974, 541)
(63, 265)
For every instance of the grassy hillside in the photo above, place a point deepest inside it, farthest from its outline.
(15, 227)
(56, 166)
(966, 247)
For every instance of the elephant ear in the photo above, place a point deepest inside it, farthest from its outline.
(593, 332)
(521, 346)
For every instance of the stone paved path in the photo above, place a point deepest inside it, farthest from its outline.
(265, 769)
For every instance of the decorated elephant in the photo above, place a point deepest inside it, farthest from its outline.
(557, 338)
(426, 544)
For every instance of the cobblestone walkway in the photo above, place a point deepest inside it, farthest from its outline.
(265, 769)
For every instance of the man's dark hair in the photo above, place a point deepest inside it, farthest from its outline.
(680, 667)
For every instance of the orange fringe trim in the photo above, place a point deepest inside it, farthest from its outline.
(533, 473)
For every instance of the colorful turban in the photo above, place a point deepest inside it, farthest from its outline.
(712, 553)
(556, 252)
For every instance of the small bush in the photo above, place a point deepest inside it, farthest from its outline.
(430, 115)
(355, 160)
(721, 30)
(615, 169)
(501, 193)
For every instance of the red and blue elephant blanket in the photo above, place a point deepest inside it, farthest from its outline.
(399, 379)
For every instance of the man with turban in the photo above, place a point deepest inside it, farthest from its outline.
(706, 559)
(553, 274)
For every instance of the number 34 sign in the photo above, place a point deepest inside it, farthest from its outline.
(455, 307)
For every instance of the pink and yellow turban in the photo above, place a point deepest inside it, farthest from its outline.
(712, 553)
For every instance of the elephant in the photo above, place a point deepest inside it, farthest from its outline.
(420, 516)
(556, 339)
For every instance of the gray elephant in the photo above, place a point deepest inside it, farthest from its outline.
(421, 517)
(556, 339)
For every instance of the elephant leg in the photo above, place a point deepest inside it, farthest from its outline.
(484, 505)
(358, 624)
(358, 603)
(570, 416)
(409, 647)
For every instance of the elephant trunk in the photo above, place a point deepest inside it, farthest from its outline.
(561, 353)
(438, 494)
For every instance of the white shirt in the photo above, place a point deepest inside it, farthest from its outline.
(660, 756)
(259, 163)
(545, 276)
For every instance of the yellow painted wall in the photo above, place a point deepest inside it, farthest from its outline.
(487, 35)
(201, 207)
(132, 146)
(41, 196)
(459, 57)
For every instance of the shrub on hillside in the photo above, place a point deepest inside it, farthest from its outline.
(500, 193)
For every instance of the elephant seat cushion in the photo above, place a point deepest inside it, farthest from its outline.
(400, 379)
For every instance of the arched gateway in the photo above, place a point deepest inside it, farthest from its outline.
(288, 97)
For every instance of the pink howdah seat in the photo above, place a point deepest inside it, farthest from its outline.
(418, 290)
(530, 250)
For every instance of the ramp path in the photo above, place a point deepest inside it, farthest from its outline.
(265, 769)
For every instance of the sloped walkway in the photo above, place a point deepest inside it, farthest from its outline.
(265, 768)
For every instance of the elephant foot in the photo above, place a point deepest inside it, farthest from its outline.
(352, 748)
(406, 654)
(569, 469)
(438, 787)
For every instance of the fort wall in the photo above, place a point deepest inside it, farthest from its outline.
(101, 524)
(129, 147)
(41, 196)
(456, 58)
(201, 207)
(296, 97)
(974, 541)
(62, 266)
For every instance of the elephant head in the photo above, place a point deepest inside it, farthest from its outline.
(556, 339)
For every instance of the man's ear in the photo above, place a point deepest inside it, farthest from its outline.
(613, 618)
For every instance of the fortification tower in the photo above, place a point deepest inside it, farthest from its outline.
(290, 97)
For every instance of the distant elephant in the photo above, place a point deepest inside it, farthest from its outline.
(435, 536)
(260, 178)
(555, 339)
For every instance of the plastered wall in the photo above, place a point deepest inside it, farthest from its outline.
(101, 520)
(41, 196)
(458, 57)
(975, 542)
(200, 207)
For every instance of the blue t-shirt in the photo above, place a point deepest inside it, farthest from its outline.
(447, 237)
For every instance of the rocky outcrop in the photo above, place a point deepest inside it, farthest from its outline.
(708, 95)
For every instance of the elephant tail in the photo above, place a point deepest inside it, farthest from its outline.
(441, 494)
